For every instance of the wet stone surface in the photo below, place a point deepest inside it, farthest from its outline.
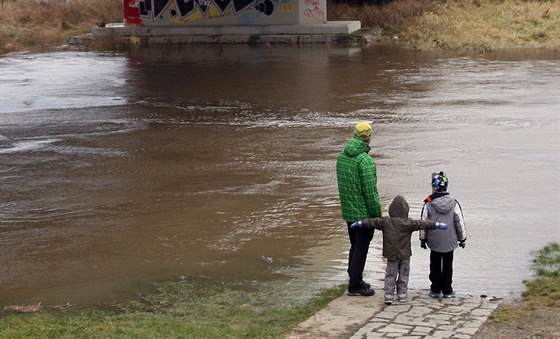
(423, 316)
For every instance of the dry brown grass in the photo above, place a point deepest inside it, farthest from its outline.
(38, 25)
(479, 25)
(390, 17)
(486, 25)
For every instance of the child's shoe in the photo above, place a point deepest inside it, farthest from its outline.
(388, 299)
(449, 295)
(403, 298)
(433, 294)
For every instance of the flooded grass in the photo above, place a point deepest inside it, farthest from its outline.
(542, 292)
(174, 309)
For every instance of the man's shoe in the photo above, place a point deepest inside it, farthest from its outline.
(365, 284)
(433, 294)
(403, 298)
(388, 302)
(449, 295)
(362, 291)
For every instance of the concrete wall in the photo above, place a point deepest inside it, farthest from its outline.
(224, 12)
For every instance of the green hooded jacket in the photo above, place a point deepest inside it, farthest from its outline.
(357, 182)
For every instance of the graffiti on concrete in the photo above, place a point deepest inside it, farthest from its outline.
(314, 9)
(183, 8)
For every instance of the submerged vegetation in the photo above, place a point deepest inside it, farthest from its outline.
(185, 309)
(478, 25)
(173, 310)
(543, 292)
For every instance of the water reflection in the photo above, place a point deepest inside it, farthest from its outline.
(117, 171)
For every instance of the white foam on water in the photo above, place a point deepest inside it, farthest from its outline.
(28, 145)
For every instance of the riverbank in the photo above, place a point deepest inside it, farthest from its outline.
(535, 315)
(477, 25)
(461, 25)
(176, 308)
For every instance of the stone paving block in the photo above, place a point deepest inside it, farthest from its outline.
(396, 328)
(439, 316)
(429, 323)
(393, 335)
(399, 308)
(468, 330)
(455, 309)
(386, 315)
(451, 301)
(417, 311)
(490, 304)
(406, 319)
(482, 312)
(449, 328)
(441, 334)
(371, 327)
(422, 329)
(461, 336)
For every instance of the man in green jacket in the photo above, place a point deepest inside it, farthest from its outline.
(357, 188)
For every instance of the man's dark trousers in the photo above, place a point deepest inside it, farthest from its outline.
(360, 239)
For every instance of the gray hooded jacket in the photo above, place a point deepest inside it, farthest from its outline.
(397, 229)
(443, 207)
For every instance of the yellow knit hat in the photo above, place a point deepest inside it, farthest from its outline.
(363, 130)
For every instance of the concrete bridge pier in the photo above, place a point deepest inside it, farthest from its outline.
(152, 22)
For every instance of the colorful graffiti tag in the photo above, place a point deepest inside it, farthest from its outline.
(182, 8)
(314, 10)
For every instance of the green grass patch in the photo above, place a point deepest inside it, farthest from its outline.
(173, 310)
(544, 290)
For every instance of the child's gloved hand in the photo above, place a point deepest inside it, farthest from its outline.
(441, 225)
(423, 244)
(462, 243)
(355, 225)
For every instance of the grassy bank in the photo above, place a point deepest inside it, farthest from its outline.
(478, 25)
(173, 310)
(536, 314)
(44, 25)
(180, 309)
(544, 290)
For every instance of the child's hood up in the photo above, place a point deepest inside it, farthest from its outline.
(444, 203)
(399, 207)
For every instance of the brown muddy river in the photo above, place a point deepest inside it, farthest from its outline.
(117, 171)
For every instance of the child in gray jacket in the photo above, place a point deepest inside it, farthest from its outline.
(397, 229)
(442, 206)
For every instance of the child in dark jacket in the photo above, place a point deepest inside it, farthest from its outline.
(397, 229)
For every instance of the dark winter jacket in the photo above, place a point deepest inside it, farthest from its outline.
(357, 182)
(443, 207)
(397, 229)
